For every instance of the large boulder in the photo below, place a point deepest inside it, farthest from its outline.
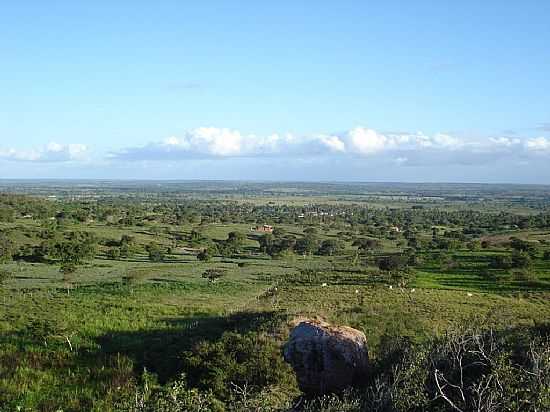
(326, 358)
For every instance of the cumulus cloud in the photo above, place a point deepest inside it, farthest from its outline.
(538, 144)
(360, 142)
(52, 152)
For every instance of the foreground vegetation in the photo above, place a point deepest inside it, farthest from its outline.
(163, 302)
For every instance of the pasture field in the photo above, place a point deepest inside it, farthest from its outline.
(102, 336)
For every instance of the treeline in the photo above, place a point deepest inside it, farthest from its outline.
(130, 212)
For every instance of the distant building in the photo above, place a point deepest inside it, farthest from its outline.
(264, 228)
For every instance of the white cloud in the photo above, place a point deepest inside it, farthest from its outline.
(504, 141)
(333, 143)
(538, 144)
(367, 141)
(360, 142)
(52, 152)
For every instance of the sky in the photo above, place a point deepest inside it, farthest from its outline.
(423, 91)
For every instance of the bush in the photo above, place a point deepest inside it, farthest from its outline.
(213, 274)
(524, 275)
(500, 262)
(113, 253)
(250, 360)
(204, 256)
(475, 370)
(5, 275)
(156, 252)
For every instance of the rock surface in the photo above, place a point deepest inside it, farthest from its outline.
(326, 358)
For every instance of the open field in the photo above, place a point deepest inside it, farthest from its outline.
(81, 339)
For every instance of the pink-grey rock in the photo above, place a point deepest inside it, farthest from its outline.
(326, 358)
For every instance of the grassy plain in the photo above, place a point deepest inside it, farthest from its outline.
(83, 345)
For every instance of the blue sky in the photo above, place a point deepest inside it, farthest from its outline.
(309, 90)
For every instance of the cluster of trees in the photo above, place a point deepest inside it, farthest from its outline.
(280, 243)
(143, 211)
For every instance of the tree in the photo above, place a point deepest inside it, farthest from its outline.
(213, 274)
(127, 246)
(5, 275)
(310, 230)
(266, 243)
(113, 253)
(500, 262)
(156, 252)
(68, 269)
(204, 255)
(307, 245)
(522, 245)
(279, 232)
(134, 276)
(7, 248)
(473, 245)
(7, 214)
(520, 260)
(195, 236)
(233, 243)
(72, 251)
(365, 244)
(392, 263)
(330, 247)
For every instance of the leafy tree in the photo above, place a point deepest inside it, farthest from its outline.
(500, 262)
(204, 255)
(521, 260)
(134, 277)
(5, 275)
(267, 242)
(7, 214)
(68, 269)
(7, 248)
(392, 263)
(279, 232)
(128, 246)
(473, 245)
(524, 275)
(307, 245)
(156, 252)
(521, 245)
(331, 247)
(310, 231)
(73, 250)
(366, 244)
(213, 274)
(195, 236)
(113, 253)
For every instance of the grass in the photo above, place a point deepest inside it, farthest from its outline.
(117, 330)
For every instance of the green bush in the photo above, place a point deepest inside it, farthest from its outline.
(252, 360)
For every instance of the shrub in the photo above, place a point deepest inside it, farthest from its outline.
(156, 252)
(213, 274)
(475, 370)
(500, 262)
(204, 256)
(5, 275)
(251, 360)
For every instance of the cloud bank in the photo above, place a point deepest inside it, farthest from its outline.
(52, 152)
(359, 142)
